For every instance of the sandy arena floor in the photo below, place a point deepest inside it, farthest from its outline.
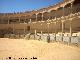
(19, 48)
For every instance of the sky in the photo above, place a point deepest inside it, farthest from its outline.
(10, 6)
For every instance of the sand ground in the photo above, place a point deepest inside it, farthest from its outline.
(21, 48)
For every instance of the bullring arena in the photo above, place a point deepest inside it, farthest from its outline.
(51, 33)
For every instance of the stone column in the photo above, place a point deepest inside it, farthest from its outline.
(62, 29)
(71, 23)
(42, 15)
(55, 30)
(25, 19)
(71, 7)
(24, 28)
(36, 16)
(48, 27)
(70, 30)
(35, 32)
(41, 29)
(30, 21)
(62, 21)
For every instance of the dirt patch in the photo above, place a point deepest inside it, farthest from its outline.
(20, 48)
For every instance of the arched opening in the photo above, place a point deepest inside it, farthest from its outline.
(59, 12)
(68, 5)
(33, 17)
(76, 2)
(68, 9)
(53, 14)
(39, 17)
(46, 16)
(76, 6)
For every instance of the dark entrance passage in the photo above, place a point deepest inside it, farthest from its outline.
(28, 28)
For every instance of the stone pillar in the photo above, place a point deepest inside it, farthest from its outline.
(25, 19)
(42, 15)
(71, 24)
(41, 29)
(62, 29)
(36, 16)
(35, 32)
(71, 7)
(48, 27)
(24, 29)
(62, 21)
(70, 30)
(55, 30)
(30, 21)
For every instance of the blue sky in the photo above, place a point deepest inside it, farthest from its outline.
(7, 6)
